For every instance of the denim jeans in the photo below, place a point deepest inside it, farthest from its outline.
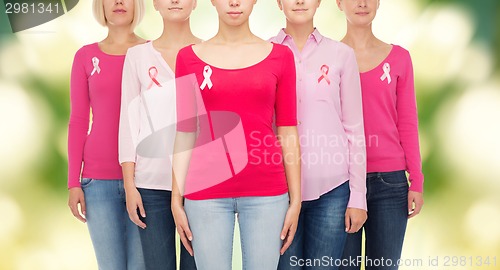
(321, 235)
(260, 219)
(387, 198)
(115, 238)
(158, 239)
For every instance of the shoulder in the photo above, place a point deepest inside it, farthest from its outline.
(340, 49)
(138, 49)
(138, 52)
(336, 44)
(282, 50)
(87, 49)
(186, 51)
(401, 52)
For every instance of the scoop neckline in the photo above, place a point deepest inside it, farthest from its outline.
(234, 69)
(382, 62)
(107, 54)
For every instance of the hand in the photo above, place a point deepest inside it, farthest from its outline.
(290, 226)
(354, 219)
(182, 225)
(415, 203)
(76, 197)
(134, 202)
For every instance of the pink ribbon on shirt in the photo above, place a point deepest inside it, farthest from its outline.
(153, 72)
(324, 72)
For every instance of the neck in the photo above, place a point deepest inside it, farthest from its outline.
(176, 33)
(234, 34)
(359, 37)
(299, 32)
(120, 35)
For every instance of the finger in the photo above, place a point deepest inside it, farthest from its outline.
(132, 214)
(83, 211)
(286, 243)
(290, 235)
(347, 222)
(141, 210)
(83, 206)
(74, 211)
(410, 205)
(416, 211)
(185, 241)
(188, 232)
(355, 227)
(284, 231)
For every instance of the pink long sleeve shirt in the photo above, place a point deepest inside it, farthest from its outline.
(147, 119)
(95, 85)
(330, 116)
(391, 122)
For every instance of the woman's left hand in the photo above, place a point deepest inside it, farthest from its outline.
(290, 226)
(415, 203)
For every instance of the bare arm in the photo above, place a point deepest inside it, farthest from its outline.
(289, 140)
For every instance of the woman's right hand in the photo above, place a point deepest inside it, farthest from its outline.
(76, 197)
(182, 225)
(134, 202)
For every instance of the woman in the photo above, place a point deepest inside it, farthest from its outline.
(329, 111)
(96, 79)
(245, 79)
(391, 132)
(146, 139)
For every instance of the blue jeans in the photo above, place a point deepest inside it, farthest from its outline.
(260, 219)
(158, 239)
(387, 198)
(321, 235)
(115, 238)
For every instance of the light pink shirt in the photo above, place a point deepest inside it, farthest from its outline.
(148, 115)
(330, 116)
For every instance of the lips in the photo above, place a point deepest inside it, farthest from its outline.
(119, 11)
(300, 10)
(362, 13)
(175, 8)
(235, 12)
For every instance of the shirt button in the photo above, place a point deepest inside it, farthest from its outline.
(300, 122)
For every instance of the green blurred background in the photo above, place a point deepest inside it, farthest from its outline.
(455, 47)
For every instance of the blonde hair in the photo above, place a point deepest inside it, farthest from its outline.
(98, 10)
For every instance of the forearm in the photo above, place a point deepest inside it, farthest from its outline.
(128, 170)
(289, 141)
(177, 196)
(183, 147)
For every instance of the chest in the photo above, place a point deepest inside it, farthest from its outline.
(104, 77)
(239, 89)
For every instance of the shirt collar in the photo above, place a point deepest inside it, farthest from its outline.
(282, 36)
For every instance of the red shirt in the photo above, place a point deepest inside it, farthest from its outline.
(251, 97)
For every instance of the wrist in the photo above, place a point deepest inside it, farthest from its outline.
(295, 203)
(129, 186)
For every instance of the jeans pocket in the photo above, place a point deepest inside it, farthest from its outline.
(85, 182)
(394, 179)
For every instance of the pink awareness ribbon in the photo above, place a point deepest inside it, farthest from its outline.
(95, 63)
(324, 72)
(153, 72)
(387, 73)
